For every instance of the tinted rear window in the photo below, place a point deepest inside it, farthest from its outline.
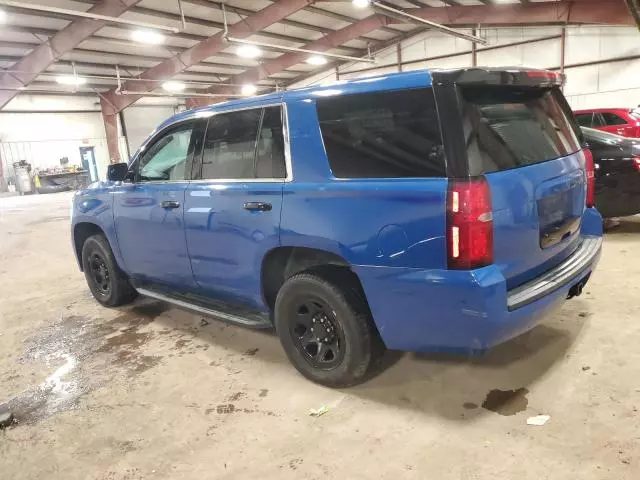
(382, 135)
(510, 127)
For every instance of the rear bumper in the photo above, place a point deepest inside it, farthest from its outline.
(463, 311)
(557, 277)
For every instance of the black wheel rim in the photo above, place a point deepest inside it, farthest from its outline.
(100, 274)
(317, 334)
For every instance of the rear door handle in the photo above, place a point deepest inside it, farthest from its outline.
(170, 204)
(257, 206)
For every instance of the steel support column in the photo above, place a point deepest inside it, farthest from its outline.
(110, 121)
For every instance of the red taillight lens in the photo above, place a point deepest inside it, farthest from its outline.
(469, 224)
(636, 162)
(591, 177)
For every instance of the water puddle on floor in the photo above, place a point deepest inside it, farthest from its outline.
(84, 353)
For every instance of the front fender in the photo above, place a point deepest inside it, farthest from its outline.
(95, 207)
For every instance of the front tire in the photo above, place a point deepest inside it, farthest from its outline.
(326, 330)
(108, 284)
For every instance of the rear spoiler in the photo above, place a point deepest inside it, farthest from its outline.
(528, 77)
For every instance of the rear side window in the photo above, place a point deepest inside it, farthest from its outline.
(382, 135)
(611, 119)
(584, 119)
(510, 127)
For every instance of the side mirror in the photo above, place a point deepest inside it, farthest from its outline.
(117, 172)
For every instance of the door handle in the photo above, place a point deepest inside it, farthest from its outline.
(257, 206)
(170, 204)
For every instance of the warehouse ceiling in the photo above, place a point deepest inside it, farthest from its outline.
(39, 48)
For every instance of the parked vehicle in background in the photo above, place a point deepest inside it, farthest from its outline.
(617, 170)
(620, 121)
(421, 211)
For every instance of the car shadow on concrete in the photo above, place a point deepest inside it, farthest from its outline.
(449, 386)
(456, 387)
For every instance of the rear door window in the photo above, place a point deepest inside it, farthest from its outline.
(382, 135)
(242, 145)
(230, 144)
(510, 127)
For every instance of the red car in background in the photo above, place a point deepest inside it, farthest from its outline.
(620, 121)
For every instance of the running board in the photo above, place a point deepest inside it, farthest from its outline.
(219, 310)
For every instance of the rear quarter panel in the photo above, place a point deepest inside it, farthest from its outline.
(379, 222)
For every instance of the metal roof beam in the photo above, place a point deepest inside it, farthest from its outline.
(113, 103)
(45, 32)
(62, 42)
(147, 56)
(530, 13)
(612, 12)
(245, 12)
(288, 60)
(210, 23)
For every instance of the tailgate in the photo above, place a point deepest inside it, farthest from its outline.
(523, 140)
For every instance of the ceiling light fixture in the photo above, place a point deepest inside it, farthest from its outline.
(316, 60)
(147, 36)
(172, 86)
(248, 51)
(3, 16)
(248, 90)
(361, 3)
(71, 80)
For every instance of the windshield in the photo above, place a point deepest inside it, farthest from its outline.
(509, 127)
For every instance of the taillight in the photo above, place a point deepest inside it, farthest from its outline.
(636, 162)
(469, 224)
(591, 177)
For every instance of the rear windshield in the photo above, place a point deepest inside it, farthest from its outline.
(510, 127)
(383, 134)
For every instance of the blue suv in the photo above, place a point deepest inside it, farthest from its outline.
(430, 210)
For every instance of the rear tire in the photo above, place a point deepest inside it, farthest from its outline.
(108, 284)
(326, 330)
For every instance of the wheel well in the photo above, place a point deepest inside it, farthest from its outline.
(81, 232)
(282, 263)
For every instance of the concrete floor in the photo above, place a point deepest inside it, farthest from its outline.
(151, 392)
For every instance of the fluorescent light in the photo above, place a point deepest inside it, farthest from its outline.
(249, 90)
(3, 16)
(316, 60)
(70, 80)
(172, 86)
(361, 3)
(147, 36)
(248, 51)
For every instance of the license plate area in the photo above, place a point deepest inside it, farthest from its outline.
(560, 206)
